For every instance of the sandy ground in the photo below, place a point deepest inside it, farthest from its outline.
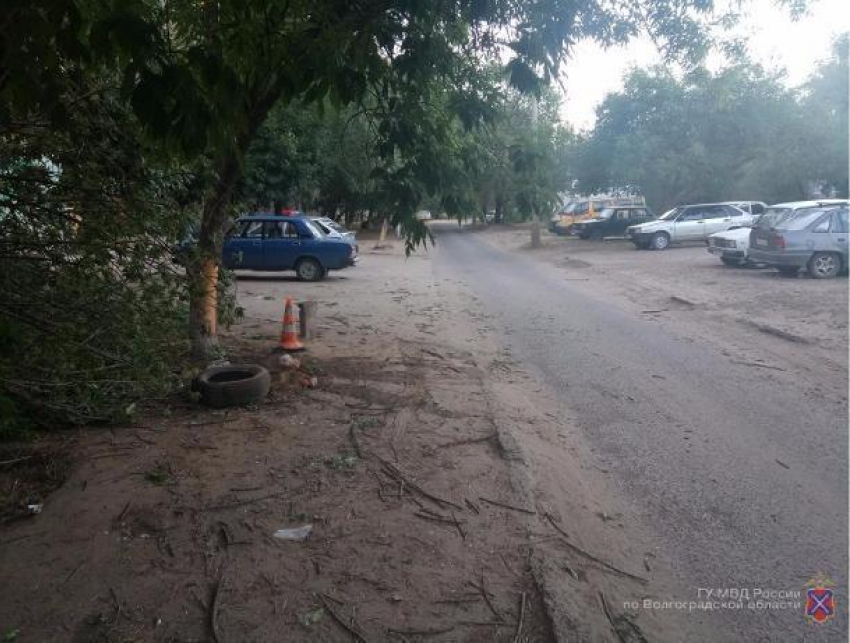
(687, 288)
(163, 530)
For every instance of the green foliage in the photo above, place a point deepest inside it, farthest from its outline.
(93, 312)
(739, 133)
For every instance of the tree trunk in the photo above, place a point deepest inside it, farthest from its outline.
(535, 231)
(203, 308)
(202, 270)
(383, 236)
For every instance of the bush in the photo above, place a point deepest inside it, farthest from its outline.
(93, 313)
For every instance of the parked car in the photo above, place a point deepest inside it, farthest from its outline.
(336, 230)
(423, 215)
(612, 222)
(586, 209)
(732, 246)
(271, 242)
(755, 208)
(810, 238)
(687, 223)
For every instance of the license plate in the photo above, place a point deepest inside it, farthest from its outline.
(761, 242)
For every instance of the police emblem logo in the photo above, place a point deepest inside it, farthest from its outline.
(820, 599)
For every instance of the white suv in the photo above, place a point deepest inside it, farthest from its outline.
(688, 223)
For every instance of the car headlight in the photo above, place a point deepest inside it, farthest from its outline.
(731, 244)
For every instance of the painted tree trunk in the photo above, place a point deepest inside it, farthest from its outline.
(383, 236)
(203, 270)
(203, 308)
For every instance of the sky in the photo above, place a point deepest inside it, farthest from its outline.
(774, 38)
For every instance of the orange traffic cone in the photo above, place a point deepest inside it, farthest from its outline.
(289, 336)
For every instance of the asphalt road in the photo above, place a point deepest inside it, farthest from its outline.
(741, 476)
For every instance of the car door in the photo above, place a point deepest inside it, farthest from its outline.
(618, 223)
(838, 231)
(690, 224)
(640, 215)
(245, 248)
(282, 245)
(830, 234)
(719, 217)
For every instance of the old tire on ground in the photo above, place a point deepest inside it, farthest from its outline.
(308, 269)
(660, 241)
(824, 265)
(788, 271)
(732, 263)
(233, 385)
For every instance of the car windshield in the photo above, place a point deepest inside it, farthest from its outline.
(670, 214)
(607, 213)
(803, 218)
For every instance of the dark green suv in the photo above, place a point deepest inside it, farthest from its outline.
(612, 222)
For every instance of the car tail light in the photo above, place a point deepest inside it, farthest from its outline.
(779, 241)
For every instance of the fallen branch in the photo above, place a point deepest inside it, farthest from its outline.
(456, 443)
(555, 524)
(71, 575)
(463, 599)
(521, 617)
(352, 436)
(214, 604)
(590, 556)
(145, 440)
(241, 503)
(392, 470)
(441, 519)
(482, 588)
(486, 623)
(124, 511)
(504, 506)
(422, 632)
(459, 528)
(757, 365)
(16, 460)
(352, 628)
(610, 617)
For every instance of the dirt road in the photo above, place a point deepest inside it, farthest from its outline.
(705, 407)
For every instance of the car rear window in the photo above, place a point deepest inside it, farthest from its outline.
(317, 232)
(772, 216)
(801, 219)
